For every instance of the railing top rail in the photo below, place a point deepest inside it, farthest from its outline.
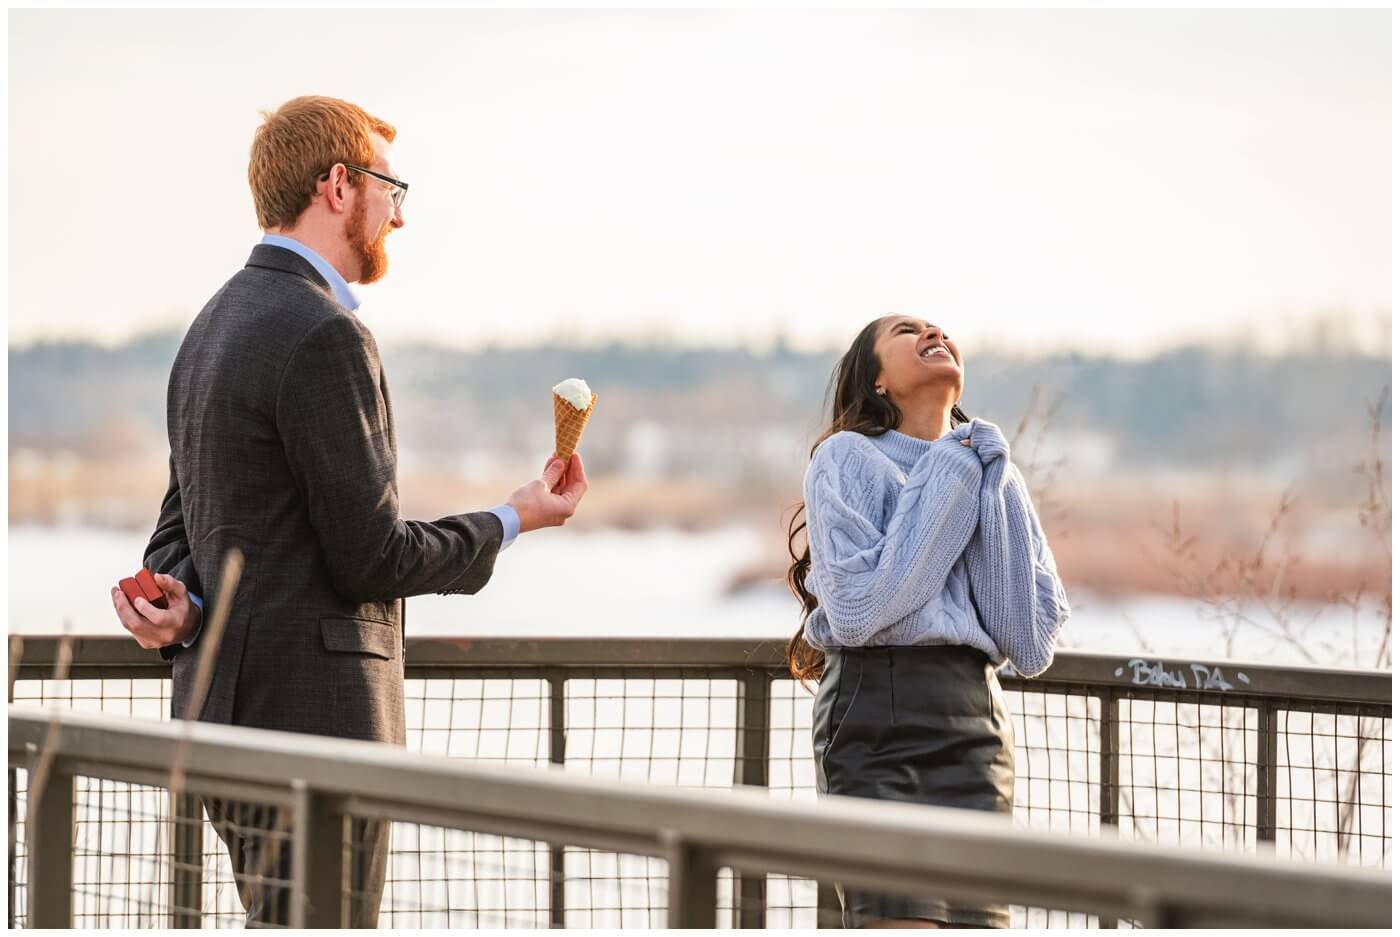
(745, 828)
(1234, 679)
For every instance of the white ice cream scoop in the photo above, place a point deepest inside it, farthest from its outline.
(575, 391)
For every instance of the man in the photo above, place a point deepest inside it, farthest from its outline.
(282, 445)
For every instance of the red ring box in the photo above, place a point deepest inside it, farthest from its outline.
(144, 585)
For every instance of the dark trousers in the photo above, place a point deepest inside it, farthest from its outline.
(259, 844)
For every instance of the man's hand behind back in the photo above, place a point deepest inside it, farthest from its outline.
(153, 627)
(551, 500)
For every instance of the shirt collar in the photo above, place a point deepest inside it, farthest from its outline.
(337, 282)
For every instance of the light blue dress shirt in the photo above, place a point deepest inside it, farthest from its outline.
(343, 294)
(510, 520)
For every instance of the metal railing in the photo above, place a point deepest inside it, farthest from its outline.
(893, 847)
(1226, 756)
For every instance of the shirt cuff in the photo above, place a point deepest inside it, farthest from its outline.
(200, 604)
(510, 523)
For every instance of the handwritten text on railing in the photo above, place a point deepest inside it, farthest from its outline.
(1204, 676)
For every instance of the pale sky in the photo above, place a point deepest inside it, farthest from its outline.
(1097, 180)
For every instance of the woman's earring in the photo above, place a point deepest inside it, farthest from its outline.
(880, 391)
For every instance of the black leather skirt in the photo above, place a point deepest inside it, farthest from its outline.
(924, 725)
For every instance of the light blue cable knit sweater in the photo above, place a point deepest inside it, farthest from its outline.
(917, 542)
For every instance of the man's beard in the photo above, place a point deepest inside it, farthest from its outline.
(374, 259)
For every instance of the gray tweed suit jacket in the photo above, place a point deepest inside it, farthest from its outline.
(282, 445)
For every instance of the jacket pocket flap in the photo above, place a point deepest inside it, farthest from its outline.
(361, 635)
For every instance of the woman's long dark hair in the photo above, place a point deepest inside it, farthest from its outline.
(855, 407)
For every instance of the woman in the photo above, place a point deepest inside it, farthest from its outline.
(926, 568)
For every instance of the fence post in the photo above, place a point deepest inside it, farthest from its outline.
(318, 859)
(692, 895)
(49, 833)
(187, 861)
(1109, 779)
(1266, 808)
(755, 703)
(558, 741)
(828, 906)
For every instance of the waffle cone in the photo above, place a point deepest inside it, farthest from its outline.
(569, 422)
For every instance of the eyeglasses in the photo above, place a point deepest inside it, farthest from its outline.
(399, 189)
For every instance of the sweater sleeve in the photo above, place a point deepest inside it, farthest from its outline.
(867, 579)
(1015, 585)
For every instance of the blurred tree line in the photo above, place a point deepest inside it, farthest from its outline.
(1193, 406)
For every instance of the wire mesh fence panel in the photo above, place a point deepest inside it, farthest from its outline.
(792, 775)
(119, 862)
(19, 847)
(1188, 773)
(138, 697)
(1057, 760)
(455, 878)
(220, 905)
(1056, 732)
(653, 730)
(608, 890)
(121, 866)
(1186, 769)
(791, 771)
(649, 729)
(1333, 782)
(501, 720)
(440, 877)
(792, 903)
(127, 864)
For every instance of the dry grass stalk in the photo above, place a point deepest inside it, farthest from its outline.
(209, 649)
(43, 764)
(1374, 516)
(1040, 474)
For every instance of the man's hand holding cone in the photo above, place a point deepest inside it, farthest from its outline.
(551, 499)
